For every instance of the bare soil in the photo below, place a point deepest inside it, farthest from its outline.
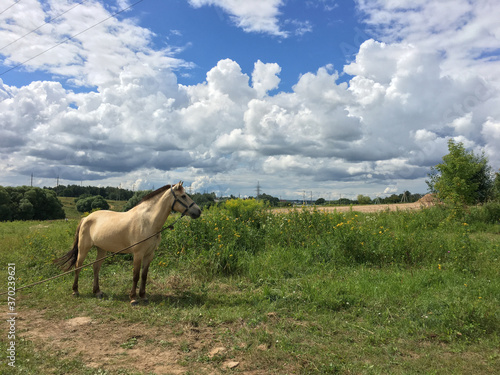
(115, 346)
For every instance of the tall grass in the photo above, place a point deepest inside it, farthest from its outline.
(306, 260)
(227, 239)
(388, 292)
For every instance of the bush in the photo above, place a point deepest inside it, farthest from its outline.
(463, 178)
(92, 204)
(244, 209)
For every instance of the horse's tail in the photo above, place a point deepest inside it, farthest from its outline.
(71, 256)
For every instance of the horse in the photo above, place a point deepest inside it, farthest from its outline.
(114, 231)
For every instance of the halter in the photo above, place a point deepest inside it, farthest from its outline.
(181, 202)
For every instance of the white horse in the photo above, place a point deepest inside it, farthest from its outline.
(114, 231)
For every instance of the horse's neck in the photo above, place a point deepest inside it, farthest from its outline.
(158, 209)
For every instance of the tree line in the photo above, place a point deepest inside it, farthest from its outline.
(29, 203)
(76, 191)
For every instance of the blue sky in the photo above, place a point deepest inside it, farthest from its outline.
(332, 97)
(206, 35)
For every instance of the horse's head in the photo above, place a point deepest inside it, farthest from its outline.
(183, 202)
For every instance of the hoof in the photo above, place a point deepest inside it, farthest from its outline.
(145, 301)
(99, 295)
(134, 302)
(76, 294)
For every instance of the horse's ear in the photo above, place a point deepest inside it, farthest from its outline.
(178, 186)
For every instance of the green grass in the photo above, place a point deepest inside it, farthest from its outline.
(379, 293)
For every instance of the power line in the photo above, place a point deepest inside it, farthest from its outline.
(71, 37)
(49, 21)
(6, 9)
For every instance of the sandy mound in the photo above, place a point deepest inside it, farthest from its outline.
(428, 200)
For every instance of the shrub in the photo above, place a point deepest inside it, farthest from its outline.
(243, 209)
(92, 204)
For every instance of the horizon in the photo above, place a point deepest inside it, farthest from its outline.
(329, 197)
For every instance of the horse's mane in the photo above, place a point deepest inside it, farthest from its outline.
(154, 194)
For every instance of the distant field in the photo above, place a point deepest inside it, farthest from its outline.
(363, 208)
(243, 290)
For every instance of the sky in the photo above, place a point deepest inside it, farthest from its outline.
(321, 98)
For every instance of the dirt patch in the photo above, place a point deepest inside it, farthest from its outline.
(132, 346)
(428, 200)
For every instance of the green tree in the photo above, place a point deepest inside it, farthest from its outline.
(89, 204)
(5, 205)
(462, 177)
(26, 210)
(204, 200)
(364, 199)
(273, 201)
(99, 203)
(135, 199)
(320, 201)
(53, 208)
(29, 203)
(496, 187)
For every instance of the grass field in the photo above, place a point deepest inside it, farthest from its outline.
(246, 290)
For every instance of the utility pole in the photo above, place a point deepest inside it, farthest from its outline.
(31, 180)
(258, 189)
(311, 197)
(404, 198)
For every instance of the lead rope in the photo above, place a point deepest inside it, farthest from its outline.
(171, 226)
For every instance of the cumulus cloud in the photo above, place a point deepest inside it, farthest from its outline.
(92, 58)
(464, 31)
(251, 15)
(265, 77)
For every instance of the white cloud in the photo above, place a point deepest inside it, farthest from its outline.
(265, 77)
(92, 58)
(251, 15)
(491, 134)
(462, 30)
(383, 128)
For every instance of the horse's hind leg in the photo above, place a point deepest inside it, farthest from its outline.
(97, 266)
(135, 279)
(144, 276)
(83, 249)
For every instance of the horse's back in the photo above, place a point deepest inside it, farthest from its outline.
(108, 230)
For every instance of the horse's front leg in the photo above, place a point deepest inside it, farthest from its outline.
(135, 279)
(144, 277)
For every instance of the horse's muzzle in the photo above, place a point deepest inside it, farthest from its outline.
(194, 212)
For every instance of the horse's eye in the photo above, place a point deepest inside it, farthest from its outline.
(183, 196)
